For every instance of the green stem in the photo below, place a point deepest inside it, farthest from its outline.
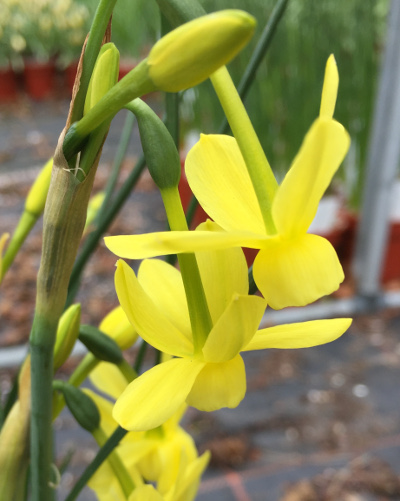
(119, 157)
(99, 25)
(42, 345)
(200, 317)
(24, 226)
(127, 371)
(262, 177)
(86, 365)
(140, 357)
(124, 479)
(101, 456)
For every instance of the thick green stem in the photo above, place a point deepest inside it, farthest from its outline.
(262, 177)
(24, 226)
(200, 317)
(42, 341)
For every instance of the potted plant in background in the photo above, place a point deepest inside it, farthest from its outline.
(12, 46)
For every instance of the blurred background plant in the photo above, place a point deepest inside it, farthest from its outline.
(41, 30)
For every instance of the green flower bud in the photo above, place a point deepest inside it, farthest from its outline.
(162, 157)
(191, 53)
(104, 76)
(102, 346)
(67, 334)
(36, 199)
(81, 406)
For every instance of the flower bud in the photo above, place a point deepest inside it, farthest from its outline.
(80, 404)
(67, 334)
(102, 346)
(104, 76)
(37, 195)
(162, 157)
(117, 326)
(189, 54)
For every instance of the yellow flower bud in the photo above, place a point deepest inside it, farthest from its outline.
(189, 54)
(67, 334)
(117, 326)
(37, 195)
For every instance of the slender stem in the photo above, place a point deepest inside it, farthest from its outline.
(118, 467)
(262, 177)
(119, 157)
(199, 313)
(140, 357)
(24, 226)
(42, 344)
(101, 456)
(127, 371)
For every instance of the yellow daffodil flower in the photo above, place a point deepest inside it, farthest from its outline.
(293, 268)
(157, 455)
(116, 325)
(215, 377)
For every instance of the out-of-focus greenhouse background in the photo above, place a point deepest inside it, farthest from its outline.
(285, 97)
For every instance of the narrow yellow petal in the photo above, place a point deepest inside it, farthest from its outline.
(150, 322)
(297, 271)
(174, 242)
(219, 385)
(107, 378)
(296, 201)
(163, 283)
(216, 274)
(329, 89)
(188, 484)
(218, 177)
(300, 335)
(153, 397)
(234, 328)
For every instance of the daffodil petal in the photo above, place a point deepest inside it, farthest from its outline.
(188, 483)
(173, 242)
(153, 397)
(297, 272)
(297, 198)
(219, 385)
(234, 328)
(218, 176)
(151, 323)
(163, 283)
(329, 89)
(117, 326)
(216, 274)
(145, 493)
(299, 335)
(107, 378)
